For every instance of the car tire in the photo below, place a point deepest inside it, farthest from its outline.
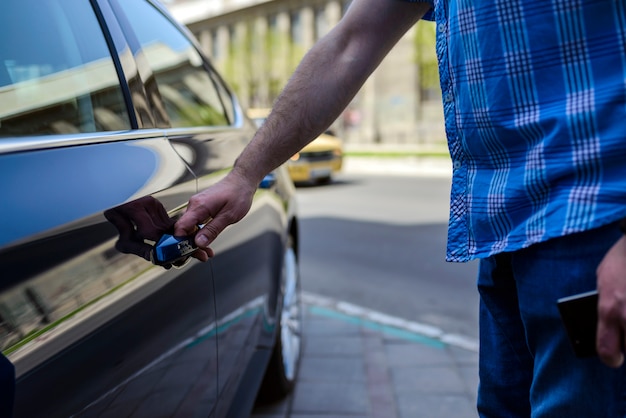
(325, 180)
(282, 370)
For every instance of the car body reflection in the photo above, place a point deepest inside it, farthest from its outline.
(104, 140)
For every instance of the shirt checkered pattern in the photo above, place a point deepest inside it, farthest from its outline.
(535, 110)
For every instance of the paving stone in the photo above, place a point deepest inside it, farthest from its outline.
(335, 346)
(442, 406)
(431, 380)
(352, 370)
(320, 327)
(464, 357)
(411, 354)
(332, 369)
(330, 398)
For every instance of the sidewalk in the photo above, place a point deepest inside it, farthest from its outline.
(395, 159)
(362, 364)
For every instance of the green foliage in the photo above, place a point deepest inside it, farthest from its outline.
(197, 115)
(254, 60)
(426, 56)
(257, 65)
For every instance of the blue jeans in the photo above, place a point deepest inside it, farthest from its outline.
(527, 367)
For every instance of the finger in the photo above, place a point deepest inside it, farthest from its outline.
(152, 220)
(203, 254)
(151, 227)
(148, 216)
(188, 223)
(210, 231)
(124, 226)
(134, 247)
(609, 344)
(159, 215)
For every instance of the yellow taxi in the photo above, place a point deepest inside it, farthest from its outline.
(315, 163)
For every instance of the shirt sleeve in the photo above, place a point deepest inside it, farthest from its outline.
(430, 15)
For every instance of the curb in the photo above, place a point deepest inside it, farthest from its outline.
(410, 165)
(419, 329)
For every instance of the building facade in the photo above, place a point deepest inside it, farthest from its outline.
(256, 44)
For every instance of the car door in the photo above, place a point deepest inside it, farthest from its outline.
(208, 129)
(88, 182)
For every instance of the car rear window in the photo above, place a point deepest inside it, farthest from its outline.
(56, 72)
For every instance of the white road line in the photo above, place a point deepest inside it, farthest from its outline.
(425, 330)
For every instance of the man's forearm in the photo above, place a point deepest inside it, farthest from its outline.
(313, 98)
(326, 81)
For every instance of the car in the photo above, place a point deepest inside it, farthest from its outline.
(317, 162)
(111, 118)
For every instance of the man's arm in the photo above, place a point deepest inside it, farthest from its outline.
(324, 83)
(327, 79)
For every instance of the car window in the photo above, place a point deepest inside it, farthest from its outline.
(188, 90)
(56, 72)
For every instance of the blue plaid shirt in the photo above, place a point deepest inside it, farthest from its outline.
(534, 96)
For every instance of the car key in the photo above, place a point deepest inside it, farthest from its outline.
(171, 249)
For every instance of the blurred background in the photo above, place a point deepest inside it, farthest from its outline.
(256, 45)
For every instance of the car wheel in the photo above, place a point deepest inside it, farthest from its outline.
(280, 377)
(325, 180)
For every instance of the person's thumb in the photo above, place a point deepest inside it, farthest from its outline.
(209, 232)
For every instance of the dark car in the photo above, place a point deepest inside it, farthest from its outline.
(110, 120)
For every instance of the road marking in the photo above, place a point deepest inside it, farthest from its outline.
(415, 331)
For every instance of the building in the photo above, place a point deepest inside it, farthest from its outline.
(256, 44)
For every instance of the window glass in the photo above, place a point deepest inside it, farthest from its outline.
(56, 71)
(188, 90)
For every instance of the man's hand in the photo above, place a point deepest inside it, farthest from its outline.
(218, 206)
(137, 221)
(611, 274)
(140, 221)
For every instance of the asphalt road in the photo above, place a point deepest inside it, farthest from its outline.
(377, 239)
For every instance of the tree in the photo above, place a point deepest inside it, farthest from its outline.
(258, 62)
(426, 59)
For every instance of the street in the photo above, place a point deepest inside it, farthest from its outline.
(390, 328)
(378, 241)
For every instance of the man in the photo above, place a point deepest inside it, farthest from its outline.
(535, 102)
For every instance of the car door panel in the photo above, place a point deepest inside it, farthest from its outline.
(91, 325)
(209, 131)
(83, 322)
(247, 263)
(248, 255)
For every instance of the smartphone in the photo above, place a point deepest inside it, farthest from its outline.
(579, 314)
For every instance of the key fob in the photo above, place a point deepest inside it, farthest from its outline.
(171, 249)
